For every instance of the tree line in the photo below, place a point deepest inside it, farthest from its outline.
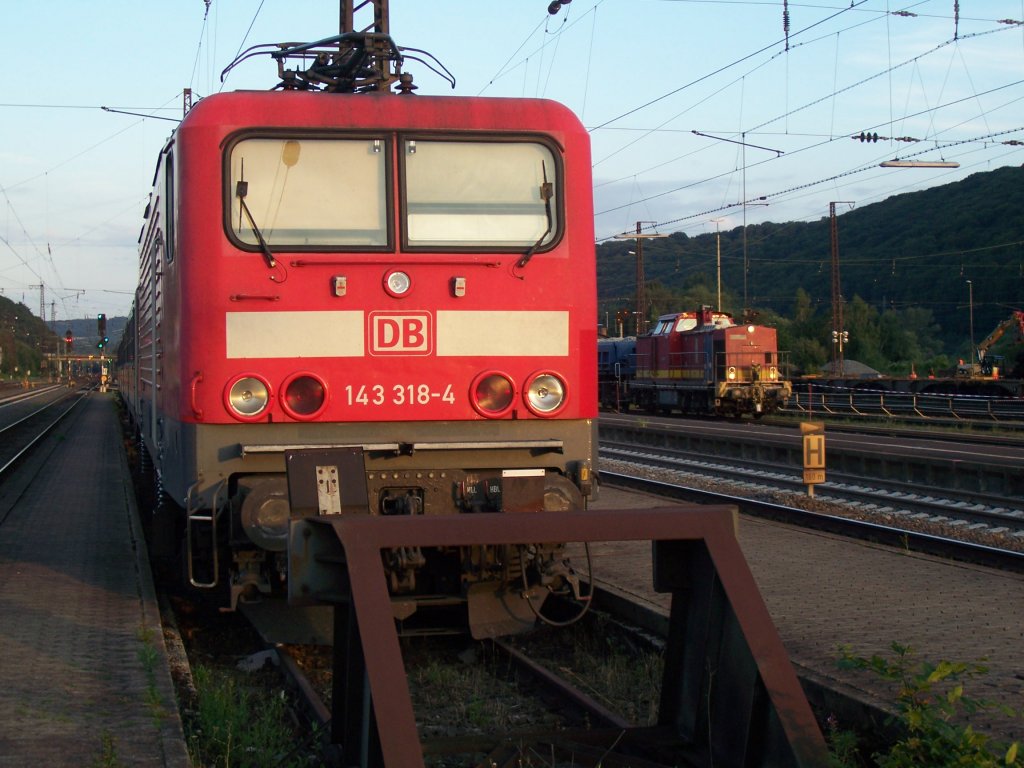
(921, 275)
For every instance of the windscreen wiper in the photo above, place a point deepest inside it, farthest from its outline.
(241, 190)
(547, 191)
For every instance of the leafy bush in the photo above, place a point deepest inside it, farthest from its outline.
(931, 702)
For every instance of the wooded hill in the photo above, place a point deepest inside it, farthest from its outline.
(904, 267)
(24, 338)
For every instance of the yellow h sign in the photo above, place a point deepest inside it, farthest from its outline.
(814, 453)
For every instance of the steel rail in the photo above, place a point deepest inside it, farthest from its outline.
(21, 396)
(866, 494)
(930, 430)
(901, 538)
(35, 413)
(41, 434)
(597, 711)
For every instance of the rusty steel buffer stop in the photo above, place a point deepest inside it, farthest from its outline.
(729, 694)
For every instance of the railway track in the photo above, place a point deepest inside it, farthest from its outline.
(468, 702)
(25, 421)
(503, 716)
(941, 538)
(982, 513)
(475, 700)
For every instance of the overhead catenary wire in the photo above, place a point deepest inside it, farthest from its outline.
(1007, 25)
(645, 67)
(634, 110)
(785, 115)
(47, 257)
(859, 169)
(245, 37)
(504, 69)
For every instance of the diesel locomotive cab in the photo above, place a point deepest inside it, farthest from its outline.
(703, 362)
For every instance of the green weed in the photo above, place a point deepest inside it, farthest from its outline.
(148, 657)
(107, 758)
(931, 703)
(235, 725)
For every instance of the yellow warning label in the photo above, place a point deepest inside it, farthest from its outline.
(812, 476)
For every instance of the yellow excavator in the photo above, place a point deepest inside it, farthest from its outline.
(986, 366)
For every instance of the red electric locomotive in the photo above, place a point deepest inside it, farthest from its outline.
(410, 275)
(704, 363)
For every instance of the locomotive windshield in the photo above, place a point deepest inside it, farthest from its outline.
(321, 192)
(484, 194)
(313, 192)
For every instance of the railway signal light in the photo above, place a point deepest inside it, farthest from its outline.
(101, 330)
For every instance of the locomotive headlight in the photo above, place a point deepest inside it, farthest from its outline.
(492, 394)
(304, 396)
(731, 373)
(248, 397)
(773, 373)
(397, 283)
(545, 394)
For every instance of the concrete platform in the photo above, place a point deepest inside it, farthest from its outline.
(84, 677)
(824, 591)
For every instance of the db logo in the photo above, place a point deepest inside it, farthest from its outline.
(400, 333)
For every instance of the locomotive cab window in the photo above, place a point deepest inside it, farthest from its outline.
(480, 194)
(309, 192)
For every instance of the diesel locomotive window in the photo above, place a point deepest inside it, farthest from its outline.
(482, 194)
(308, 192)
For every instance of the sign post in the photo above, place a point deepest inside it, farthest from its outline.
(814, 454)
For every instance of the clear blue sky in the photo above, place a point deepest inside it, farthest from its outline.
(641, 74)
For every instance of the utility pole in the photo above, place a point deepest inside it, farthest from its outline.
(718, 264)
(641, 285)
(970, 304)
(743, 144)
(641, 282)
(746, 306)
(839, 335)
